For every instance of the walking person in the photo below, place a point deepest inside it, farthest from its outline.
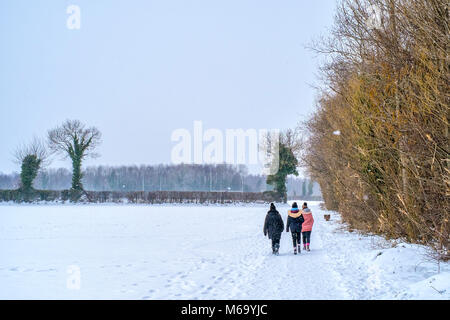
(294, 223)
(307, 226)
(273, 227)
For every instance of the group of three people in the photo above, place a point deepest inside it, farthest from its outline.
(299, 222)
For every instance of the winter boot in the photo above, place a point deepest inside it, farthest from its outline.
(298, 248)
(277, 248)
(307, 247)
(295, 250)
(304, 246)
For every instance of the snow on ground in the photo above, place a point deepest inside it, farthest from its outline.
(199, 252)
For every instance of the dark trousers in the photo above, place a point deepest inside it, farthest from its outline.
(306, 237)
(275, 243)
(296, 239)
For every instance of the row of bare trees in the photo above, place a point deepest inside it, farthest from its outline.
(177, 177)
(378, 144)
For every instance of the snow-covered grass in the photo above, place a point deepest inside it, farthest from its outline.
(199, 252)
(374, 268)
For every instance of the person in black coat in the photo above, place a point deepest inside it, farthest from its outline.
(294, 223)
(273, 227)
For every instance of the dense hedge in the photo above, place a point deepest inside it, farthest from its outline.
(35, 195)
(378, 142)
(152, 197)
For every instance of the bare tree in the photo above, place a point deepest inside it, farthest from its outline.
(72, 139)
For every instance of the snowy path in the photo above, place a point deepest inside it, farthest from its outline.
(261, 275)
(192, 252)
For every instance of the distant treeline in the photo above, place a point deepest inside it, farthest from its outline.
(182, 177)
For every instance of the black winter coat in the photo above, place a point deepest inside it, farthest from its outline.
(295, 224)
(273, 225)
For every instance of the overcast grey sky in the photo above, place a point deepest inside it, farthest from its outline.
(140, 69)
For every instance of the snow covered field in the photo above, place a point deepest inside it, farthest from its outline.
(194, 252)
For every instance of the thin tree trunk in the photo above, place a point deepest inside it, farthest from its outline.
(402, 142)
